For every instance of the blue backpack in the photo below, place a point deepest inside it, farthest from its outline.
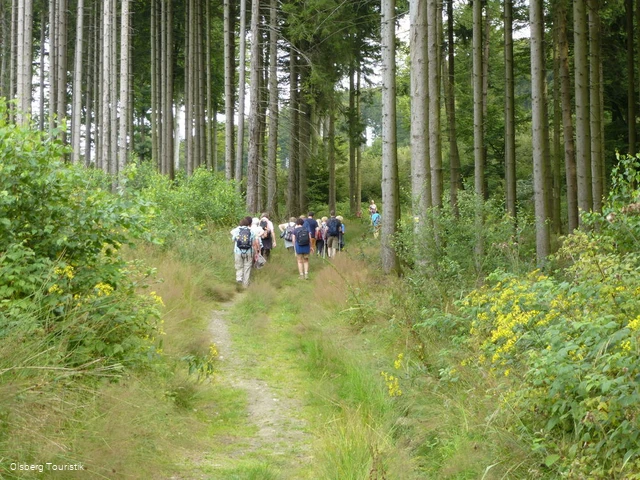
(333, 227)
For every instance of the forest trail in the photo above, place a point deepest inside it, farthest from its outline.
(271, 413)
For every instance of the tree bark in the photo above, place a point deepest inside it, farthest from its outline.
(229, 95)
(540, 128)
(390, 185)
(254, 121)
(631, 95)
(76, 116)
(124, 86)
(272, 168)
(596, 113)
(509, 112)
(454, 156)
(420, 170)
(292, 197)
(241, 90)
(567, 118)
(433, 71)
(478, 131)
(583, 136)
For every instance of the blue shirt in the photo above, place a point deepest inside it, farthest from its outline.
(311, 224)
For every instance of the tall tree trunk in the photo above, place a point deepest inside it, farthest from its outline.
(210, 114)
(359, 146)
(61, 81)
(229, 96)
(583, 136)
(14, 56)
(352, 139)
(124, 86)
(76, 112)
(241, 90)
(332, 156)
(434, 69)
(454, 156)
(188, 88)
(304, 137)
(90, 85)
(53, 62)
(272, 170)
(106, 90)
(25, 58)
(631, 95)
(113, 83)
(596, 114)
(292, 197)
(254, 121)
(42, 69)
(420, 170)
(390, 184)
(556, 214)
(540, 129)
(168, 134)
(478, 131)
(509, 112)
(567, 119)
(155, 66)
(5, 49)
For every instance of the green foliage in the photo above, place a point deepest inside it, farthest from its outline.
(620, 218)
(573, 346)
(441, 251)
(60, 264)
(188, 203)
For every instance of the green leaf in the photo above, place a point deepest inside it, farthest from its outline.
(551, 459)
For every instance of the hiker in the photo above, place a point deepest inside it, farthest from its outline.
(311, 225)
(334, 228)
(245, 248)
(376, 221)
(321, 233)
(302, 242)
(286, 234)
(372, 207)
(341, 234)
(269, 240)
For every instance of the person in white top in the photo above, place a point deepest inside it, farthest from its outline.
(287, 228)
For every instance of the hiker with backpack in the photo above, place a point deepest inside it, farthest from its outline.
(376, 222)
(245, 249)
(334, 229)
(321, 234)
(311, 225)
(286, 234)
(341, 234)
(269, 240)
(302, 243)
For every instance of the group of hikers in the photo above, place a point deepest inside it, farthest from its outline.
(254, 238)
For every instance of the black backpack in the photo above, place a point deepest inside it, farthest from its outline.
(302, 237)
(333, 227)
(264, 224)
(243, 241)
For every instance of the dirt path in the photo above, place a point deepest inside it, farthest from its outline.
(280, 432)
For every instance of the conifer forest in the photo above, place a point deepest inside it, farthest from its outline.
(487, 328)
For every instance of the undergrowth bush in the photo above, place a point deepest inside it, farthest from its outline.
(568, 343)
(186, 205)
(60, 240)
